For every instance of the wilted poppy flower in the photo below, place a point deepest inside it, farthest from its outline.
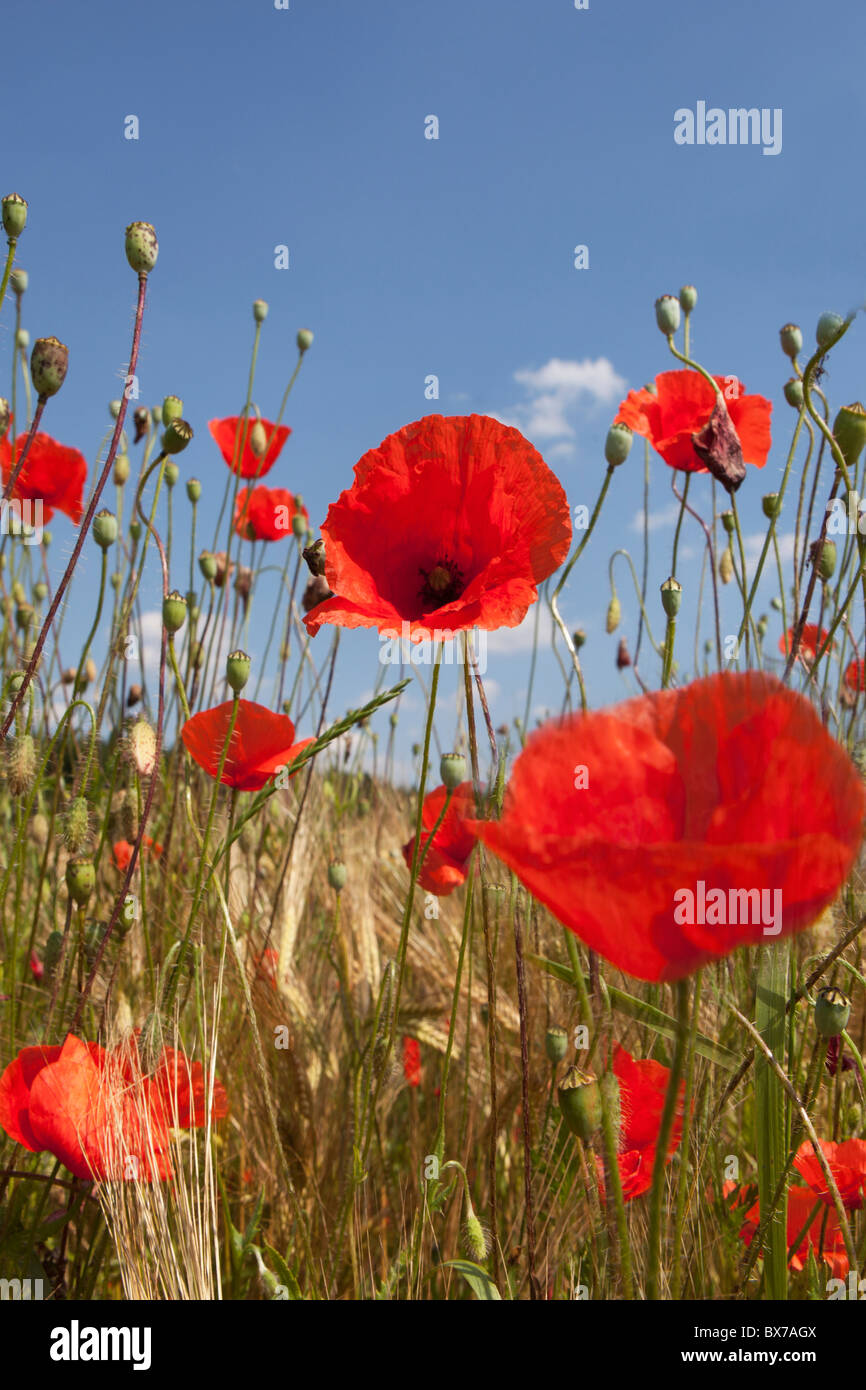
(444, 867)
(261, 446)
(847, 1163)
(451, 523)
(674, 828)
(122, 851)
(811, 641)
(642, 1088)
(823, 1235)
(855, 676)
(97, 1113)
(262, 742)
(53, 474)
(682, 407)
(412, 1061)
(265, 513)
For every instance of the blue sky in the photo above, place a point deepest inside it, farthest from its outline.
(305, 127)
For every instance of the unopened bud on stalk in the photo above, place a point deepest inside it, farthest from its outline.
(771, 503)
(614, 613)
(476, 1240)
(18, 282)
(305, 340)
(207, 563)
(116, 580)
(22, 340)
(135, 530)
(727, 520)
(849, 428)
(193, 489)
(617, 445)
(14, 215)
(21, 765)
(133, 696)
(578, 637)
(556, 1044)
(104, 529)
(761, 626)
(142, 247)
(688, 298)
(832, 1011)
(171, 475)
(142, 747)
(77, 825)
(580, 1103)
(121, 469)
(726, 565)
(80, 880)
(48, 363)
(622, 655)
(672, 595)
(172, 409)
(141, 420)
(776, 603)
(260, 310)
(794, 392)
(299, 526)
(668, 314)
(791, 339)
(114, 409)
(823, 557)
(237, 670)
(40, 591)
(176, 437)
(174, 611)
(51, 955)
(196, 656)
(259, 439)
(337, 875)
(827, 328)
(452, 770)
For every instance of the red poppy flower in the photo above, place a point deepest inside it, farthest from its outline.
(847, 1163)
(811, 640)
(122, 851)
(700, 814)
(265, 513)
(53, 474)
(823, 1235)
(96, 1112)
(37, 968)
(451, 523)
(229, 433)
(262, 742)
(642, 1088)
(444, 867)
(855, 676)
(681, 407)
(412, 1061)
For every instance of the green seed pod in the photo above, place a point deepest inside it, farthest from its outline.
(771, 503)
(688, 298)
(116, 580)
(237, 670)
(452, 770)
(142, 247)
(105, 529)
(727, 520)
(791, 340)
(849, 427)
(580, 1102)
(672, 595)
(260, 310)
(176, 437)
(80, 880)
(617, 445)
(171, 475)
(827, 328)
(193, 489)
(668, 314)
(259, 439)
(305, 340)
(299, 526)
(18, 282)
(794, 392)
(578, 637)
(121, 469)
(174, 611)
(207, 563)
(556, 1044)
(726, 565)
(40, 591)
(114, 409)
(25, 616)
(135, 530)
(172, 409)
(761, 626)
(825, 559)
(77, 825)
(614, 613)
(832, 1011)
(49, 361)
(14, 215)
(776, 603)
(337, 875)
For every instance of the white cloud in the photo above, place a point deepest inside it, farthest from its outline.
(555, 392)
(665, 516)
(754, 544)
(511, 641)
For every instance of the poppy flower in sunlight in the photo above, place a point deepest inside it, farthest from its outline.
(122, 851)
(811, 641)
(823, 1235)
(53, 474)
(855, 676)
(681, 408)
(451, 523)
(261, 744)
(444, 867)
(671, 829)
(847, 1163)
(412, 1061)
(642, 1088)
(97, 1113)
(250, 447)
(265, 513)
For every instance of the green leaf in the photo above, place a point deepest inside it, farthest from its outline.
(477, 1278)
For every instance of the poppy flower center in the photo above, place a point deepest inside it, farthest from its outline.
(442, 584)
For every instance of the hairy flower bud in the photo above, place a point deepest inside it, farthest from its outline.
(305, 339)
(105, 529)
(614, 613)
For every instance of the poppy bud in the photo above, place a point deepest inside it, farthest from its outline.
(22, 764)
(40, 591)
(116, 580)
(207, 563)
(121, 469)
(259, 439)
(315, 557)
(172, 409)
(237, 670)
(727, 519)
(726, 565)
(849, 427)
(761, 626)
(672, 594)
(80, 880)
(176, 437)
(5, 412)
(580, 1102)
(135, 530)
(18, 281)
(22, 339)
(776, 603)
(171, 475)
(476, 1240)
(77, 827)
(51, 955)
(832, 1011)
(823, 557)
(617, 445)
(614, 613)
(771, 504)
(305, 339)
(14, 215)
(794, 392)
(192, 605)
(105, 529)
(133, 696)
(791, 339)
(622, 657)
(174, 611)
(827, 328)
(114, 409)
(578, 637)
(555, 1044)
(25, 616)
(260, 310)
(337, 875)
(316, 592)
(142, 247)
(141, 420)
(668, 314)
(452, 770)
(193, 489)
(299, 526)
(688, 298)
(48, 363)
(142, 747)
